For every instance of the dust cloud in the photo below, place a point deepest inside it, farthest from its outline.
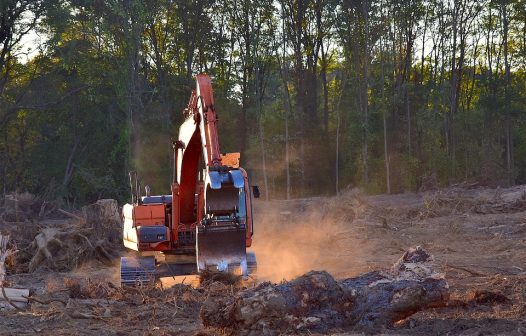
(294, 237)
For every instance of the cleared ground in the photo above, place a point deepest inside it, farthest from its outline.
(477, 236)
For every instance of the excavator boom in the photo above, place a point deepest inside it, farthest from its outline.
(221, 235)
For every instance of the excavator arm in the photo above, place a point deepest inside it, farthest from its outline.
(224, 230)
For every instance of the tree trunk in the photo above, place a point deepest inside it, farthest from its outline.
(509, 133)
(259, 97)
(384, 119)
(288, 111)
(408, 114)
(68, 173)
(422, 59)
(324, 64)
(338, 126)
(365, 9)
(263, 158)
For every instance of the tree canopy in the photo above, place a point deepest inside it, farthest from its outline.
(317, 95)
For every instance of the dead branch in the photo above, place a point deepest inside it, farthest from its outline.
(462, 268)
(46, 302)
(80, 219)
(78, 315)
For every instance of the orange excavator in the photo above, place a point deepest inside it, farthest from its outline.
(206, 222)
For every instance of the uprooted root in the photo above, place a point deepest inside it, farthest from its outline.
(316, 302)
(66, 250)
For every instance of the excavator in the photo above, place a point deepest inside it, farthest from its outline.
(206, 222)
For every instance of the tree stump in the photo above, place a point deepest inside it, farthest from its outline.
(66, 250)
(99, 237)
(317, 302)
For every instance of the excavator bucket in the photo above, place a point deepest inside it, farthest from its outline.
(222, 249)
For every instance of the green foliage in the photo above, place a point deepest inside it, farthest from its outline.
(103, 95)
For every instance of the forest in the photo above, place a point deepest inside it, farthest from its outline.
(318, 96)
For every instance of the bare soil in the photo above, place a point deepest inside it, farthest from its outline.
(476, 235)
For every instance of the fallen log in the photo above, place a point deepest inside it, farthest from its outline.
(316, 302)
(16, 294)
(14, 298)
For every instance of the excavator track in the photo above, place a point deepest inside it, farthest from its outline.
(137, 271)
(140, 271)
